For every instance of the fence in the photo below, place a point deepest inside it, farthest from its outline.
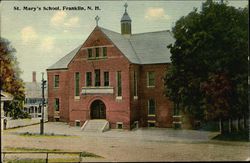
(79, 154)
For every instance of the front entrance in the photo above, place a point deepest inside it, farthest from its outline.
(98, 110)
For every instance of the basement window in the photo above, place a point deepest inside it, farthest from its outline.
(151, 123)
(119, 125)
(77, 123)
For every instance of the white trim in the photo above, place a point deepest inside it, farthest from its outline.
(135, 97)
(85, 123)
(92, 47)
(151, 121)
(118, 98)
(77, 97)
(79, 123)
(119, 123)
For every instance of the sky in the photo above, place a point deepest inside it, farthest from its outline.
(42, 37)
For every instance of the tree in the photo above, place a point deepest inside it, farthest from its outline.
(211, 45)
(10, 78)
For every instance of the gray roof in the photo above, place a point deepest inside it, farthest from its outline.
(64, 61)
(143, 48)
(125, 17)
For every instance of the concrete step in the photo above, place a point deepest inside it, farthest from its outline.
(99, 125)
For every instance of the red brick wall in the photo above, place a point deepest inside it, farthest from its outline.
(164, 106)
(116, 110)
(126, 110)
(61, 92)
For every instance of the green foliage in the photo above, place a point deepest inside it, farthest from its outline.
(208, 76)
(10, 80)
(234, 136)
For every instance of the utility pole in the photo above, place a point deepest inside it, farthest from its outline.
(43, 102)
(1, 82)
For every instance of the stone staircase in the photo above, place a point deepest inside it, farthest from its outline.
(96, 125)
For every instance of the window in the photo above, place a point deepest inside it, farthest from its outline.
(119, 83)
(56, 107)
(97, 52)
(97, 77)
(135, 83)
(77, 123)
(56, 81)
(104, 52)
(151, 79)
(39, 109)
(106, 78)
(151, 107)
(77, 80)
(151, 123)
(119, 125)
(90, 53)
(88, 79)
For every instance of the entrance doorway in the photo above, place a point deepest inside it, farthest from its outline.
(98, 110)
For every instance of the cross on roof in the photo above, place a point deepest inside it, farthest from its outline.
(97, 18)
(126, 6)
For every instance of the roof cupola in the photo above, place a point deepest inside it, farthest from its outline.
(126, 22)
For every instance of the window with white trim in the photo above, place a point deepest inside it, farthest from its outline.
(151, 79)
(77, 84)
(56, 81)
(151, 107)
(119, 83)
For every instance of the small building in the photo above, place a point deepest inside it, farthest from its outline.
(33, 98)
(4, 97)
(114, 76)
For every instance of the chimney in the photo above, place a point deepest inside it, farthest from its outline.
(34, 76)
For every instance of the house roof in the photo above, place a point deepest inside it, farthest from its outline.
(34, 90)
(6, 96)
(64, 61)
(143, 48)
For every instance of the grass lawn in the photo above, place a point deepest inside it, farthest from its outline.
(67, 157)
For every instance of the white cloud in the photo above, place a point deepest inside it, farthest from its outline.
(28, 34)
(58, 18)
(72, 22)
(155, 13)
(47, 43)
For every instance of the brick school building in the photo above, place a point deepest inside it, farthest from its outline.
(114, 76)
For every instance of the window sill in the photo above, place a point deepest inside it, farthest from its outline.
(151, 115)
(118, 97)
(97, 58)
(150, 86)
(77, 97)
(135, 97)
